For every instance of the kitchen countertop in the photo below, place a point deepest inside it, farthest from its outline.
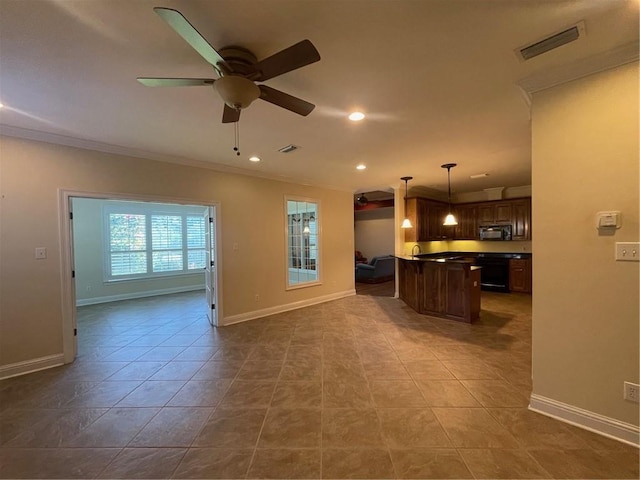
(452, 256)
(446, 259)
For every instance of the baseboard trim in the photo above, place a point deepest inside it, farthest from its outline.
(594, 422)
(30, 366)
(134, 295)
(265, 312)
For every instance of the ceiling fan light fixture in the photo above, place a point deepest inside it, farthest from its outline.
(237, 92)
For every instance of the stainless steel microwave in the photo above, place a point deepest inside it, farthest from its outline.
(495, 232)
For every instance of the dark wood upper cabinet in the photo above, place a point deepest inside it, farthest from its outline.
(521, 219)
(427, 217)
(411, 212)
(494, 213)
(436, 213)
(467, 216)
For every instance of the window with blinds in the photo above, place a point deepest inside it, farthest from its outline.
(147, 244)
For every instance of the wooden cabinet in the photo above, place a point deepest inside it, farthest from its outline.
(426, 217)
(516, 212)
(442, 289)
(436, 230)
(521, 219)
(494, 213)
(408, 283)
(411, 212)
(520, 275)
(467, 216)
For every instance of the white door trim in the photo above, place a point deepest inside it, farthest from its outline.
(66, 253)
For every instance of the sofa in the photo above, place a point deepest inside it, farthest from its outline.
(379, 269)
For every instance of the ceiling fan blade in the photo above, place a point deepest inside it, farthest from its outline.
(230, 115)
(175, 82)
(285, 100)
(189, 33)
(296, 56)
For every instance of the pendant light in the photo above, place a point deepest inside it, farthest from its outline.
(406, 223)
(449, 220)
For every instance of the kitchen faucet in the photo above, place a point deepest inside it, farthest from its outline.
(414, 248)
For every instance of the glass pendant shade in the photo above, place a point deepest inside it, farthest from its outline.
(406, 223)
(450, 220)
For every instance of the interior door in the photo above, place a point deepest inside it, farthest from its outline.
(210, 264)
(73, 313)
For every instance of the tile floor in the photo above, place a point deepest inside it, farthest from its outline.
(361, 387)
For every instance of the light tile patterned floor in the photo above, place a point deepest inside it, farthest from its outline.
(361, 387)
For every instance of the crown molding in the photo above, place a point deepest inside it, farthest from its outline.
(67, 141)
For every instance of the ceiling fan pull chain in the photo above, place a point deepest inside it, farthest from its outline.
(237, 138)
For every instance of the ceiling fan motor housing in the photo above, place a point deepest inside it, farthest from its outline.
(237, 92)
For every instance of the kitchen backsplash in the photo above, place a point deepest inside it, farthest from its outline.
(470, 246)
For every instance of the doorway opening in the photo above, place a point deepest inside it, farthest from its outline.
(374, 234)
(130, 247)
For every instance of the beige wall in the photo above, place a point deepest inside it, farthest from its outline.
(585, 304)
(252, 215)
(374, 232)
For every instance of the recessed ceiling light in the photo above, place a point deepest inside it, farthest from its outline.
(254, 159)
(356, 116)
(361, 167)
(479, 175)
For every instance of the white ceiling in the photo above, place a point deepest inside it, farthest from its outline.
(438, 80)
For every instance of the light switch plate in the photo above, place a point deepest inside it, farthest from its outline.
(628, 251)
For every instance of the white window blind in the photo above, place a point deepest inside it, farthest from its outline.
(128, 244)
(195, 242)
(150, 244)
(166, 242)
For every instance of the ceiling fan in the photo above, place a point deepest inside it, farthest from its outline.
(238, 69)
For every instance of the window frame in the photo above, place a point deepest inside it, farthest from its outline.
(318, 243)
(148, 211)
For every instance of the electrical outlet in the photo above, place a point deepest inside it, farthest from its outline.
(631, 392)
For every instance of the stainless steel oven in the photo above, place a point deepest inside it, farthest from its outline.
(495, 232)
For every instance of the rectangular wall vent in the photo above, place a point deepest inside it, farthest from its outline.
(288, 149)
(550, 43)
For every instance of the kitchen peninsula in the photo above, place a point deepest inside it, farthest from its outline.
(441, 286)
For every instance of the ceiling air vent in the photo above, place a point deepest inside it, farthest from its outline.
(288, 149)
(554, 41)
